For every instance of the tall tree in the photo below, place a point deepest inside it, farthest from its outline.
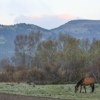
(21, 47)
(26, 45)
(47, 50)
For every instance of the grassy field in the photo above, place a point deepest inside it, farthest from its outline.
(53, 91)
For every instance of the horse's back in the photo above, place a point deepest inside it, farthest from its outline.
(88, 81)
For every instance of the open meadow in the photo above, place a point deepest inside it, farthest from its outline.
(65, 91)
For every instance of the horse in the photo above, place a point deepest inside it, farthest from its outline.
(84, 82)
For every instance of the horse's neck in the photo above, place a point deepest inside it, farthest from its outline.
(79, 83)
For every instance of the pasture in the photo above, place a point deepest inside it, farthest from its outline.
(65, 91)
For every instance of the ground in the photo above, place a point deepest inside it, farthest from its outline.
(4, 96)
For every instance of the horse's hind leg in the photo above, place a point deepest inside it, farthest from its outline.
(92, 86)
(85, 89)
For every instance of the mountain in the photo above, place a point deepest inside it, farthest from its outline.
(77, 28)
(80, 29)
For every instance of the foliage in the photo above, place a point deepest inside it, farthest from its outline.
(63, 59)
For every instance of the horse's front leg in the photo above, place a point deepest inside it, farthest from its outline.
(80, 88)
(85, 89)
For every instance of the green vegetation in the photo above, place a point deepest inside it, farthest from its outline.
(54, 91)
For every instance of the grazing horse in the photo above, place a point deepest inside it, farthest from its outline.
(84, 82)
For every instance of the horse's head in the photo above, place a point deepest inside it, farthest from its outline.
(76, 89)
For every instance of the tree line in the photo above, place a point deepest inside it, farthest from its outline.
(64, 59)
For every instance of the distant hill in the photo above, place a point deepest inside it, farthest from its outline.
(80, 29)
(77, 28)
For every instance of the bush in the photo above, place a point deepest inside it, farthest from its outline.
(59, 82)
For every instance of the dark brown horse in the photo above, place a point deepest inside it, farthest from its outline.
(84, 82)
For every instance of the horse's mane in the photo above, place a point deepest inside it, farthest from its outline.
(80, 82)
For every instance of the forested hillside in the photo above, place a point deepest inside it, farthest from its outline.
(8, 35)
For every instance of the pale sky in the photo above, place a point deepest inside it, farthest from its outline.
(47, 13)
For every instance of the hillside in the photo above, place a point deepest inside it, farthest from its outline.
(81, 28)
(77, 28)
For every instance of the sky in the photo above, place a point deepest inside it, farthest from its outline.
(47, 13)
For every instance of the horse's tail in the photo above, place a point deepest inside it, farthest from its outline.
(93, 88)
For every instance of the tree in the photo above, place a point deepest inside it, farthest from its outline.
(71, 58)
(21, 47)
(26, 46)
(9, 70)
(47, 50)
(3, 63)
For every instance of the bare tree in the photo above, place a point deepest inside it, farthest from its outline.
(26, 46)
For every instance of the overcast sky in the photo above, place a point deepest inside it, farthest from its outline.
(47, 13)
